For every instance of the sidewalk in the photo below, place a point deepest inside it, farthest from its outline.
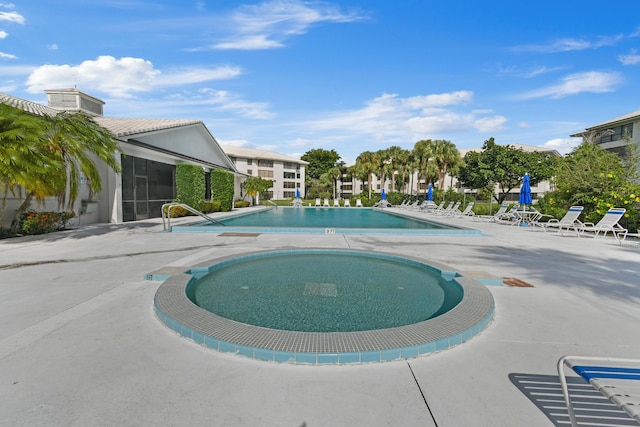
(80, 344)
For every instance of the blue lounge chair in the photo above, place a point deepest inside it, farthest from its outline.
(616, 379)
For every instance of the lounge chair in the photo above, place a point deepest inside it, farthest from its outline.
(347, 203)
(336, 203)
(317, 202)
(510, 216)
(492, 218)
(616, 379)
(468, 211)
(414, 205)
(608, 223)
(427, 206)
(326, 203)
(358, 203)
(432, 208)
(568, 221)
(454, 211)
(403, 204)
(445, 211)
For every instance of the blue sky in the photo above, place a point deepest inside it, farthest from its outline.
(349, 75)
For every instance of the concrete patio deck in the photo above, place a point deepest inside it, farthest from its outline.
(80, 344)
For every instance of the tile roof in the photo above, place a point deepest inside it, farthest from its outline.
(523, 147)
(626, 117)
(124, 126)
(249, 153)
(28, 106)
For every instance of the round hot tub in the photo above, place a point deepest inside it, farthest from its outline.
(319, 306)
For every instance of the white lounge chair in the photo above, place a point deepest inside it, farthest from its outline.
(608, 223)
(445, 211)
(326, 203)
(468, 211)
(492, 218)
(347, 203)
(616, 379)
(432, 208)
(358, 203)
(454, 211)
(336, 203)
(568, 221)
(318, 202)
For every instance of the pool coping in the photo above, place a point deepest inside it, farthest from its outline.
(448, 229)
(472, 315)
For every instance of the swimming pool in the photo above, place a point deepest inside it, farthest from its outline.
(325, 221)
(460, 323)
(324, 292)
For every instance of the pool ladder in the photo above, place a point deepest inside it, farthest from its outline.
(167, 225)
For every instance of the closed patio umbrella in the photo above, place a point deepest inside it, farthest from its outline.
(430, 192)
(525, 191)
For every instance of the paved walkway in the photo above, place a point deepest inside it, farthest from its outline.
(81, 346)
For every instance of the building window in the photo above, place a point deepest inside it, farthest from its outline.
(233, 159)
(288, 194)
(265, 174)
(618, 132)
(265, 163)
(290, 165)
(288, 184)
(249, 161)
(289, 175)
(249, 172)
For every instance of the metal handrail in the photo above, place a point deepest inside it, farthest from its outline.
(167, 225)
(269, 201)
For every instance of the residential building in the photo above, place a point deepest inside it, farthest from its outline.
(615, 134)
(287, 173)
(150, 151)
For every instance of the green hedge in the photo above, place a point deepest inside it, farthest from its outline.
(190, 185)
(222, 188)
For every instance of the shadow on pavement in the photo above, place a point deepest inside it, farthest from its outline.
(591, 407)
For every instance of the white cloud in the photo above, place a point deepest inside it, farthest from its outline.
(524, 125)
(390, 118)
(490, 124)
(4, 55)
(14, 17)
(242, 143)
(120, 77)
(301, 142)
(569, 44)
(631, 58)
(541, 70)
(563, 145)
(573, 84)
(52, 47)
(267, 25)
(3, 34)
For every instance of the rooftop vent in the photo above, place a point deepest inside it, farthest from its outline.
(74, 100)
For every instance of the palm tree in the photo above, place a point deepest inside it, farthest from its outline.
(444, 155)
(394, 153)
(423, 152)
(333, 174)
(365, 166)
(380, 160)
(44, 156)
(26, 166)
(72, 138)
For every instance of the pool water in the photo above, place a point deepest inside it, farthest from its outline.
(324, 292)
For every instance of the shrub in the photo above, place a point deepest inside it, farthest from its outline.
(44, 222)
(211, 206)
(241, 204)
(222, 188)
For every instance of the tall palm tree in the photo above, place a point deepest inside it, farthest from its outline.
(423, 152)
(333, 174)
(365, 166)
(394, 154)
(380, 159)
(444, 154)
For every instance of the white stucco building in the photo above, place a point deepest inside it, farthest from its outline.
(287, 173)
